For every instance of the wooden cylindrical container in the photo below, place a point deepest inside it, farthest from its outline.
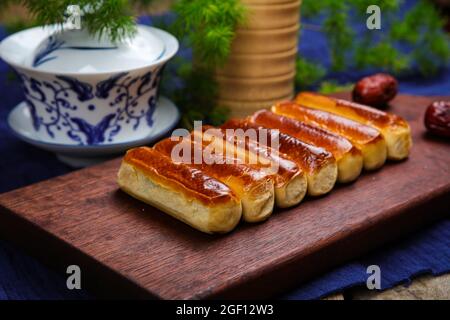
(272, 14)
(265, 41)
(259, 65)
(260, 70)
(257, 89)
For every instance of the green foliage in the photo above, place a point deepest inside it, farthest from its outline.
(420, 30)
(308, 73)
(107, 17)
(196, 98)
(382, 55)
(430, 45)
(5, 3)
(209, 27)
(329, 87)
(339, 34)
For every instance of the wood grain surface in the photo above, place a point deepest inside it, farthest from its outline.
(128, 249)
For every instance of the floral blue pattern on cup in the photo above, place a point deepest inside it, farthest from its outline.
(85, 90)
(121, 102)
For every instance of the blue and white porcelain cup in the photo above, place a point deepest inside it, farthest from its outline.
(82, 90)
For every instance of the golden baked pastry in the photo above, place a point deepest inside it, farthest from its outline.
(318, 164)
(289, 180)
(349, 159)
(395, 130)
(367, 139)
(195, 198)
(254, 187)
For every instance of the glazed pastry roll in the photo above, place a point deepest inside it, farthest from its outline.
(349, 159)
(395, 130)
(194, 197)
(252, 186)
(289, 180)
(367, 139)
(318, 164)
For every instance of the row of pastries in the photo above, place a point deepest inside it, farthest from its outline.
(320, 141)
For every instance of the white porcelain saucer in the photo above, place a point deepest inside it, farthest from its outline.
(166, 117)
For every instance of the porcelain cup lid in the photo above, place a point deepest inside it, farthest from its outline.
(76, 51)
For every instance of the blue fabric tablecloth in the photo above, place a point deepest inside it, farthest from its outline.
(22, 277)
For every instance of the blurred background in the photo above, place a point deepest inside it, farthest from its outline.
(335, 48)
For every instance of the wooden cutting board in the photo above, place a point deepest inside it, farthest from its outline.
(128, 249)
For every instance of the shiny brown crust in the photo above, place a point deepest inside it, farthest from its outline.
(287, 168)
(395, 130)
(354, 110)
(308, 157)
(253, 186)
(357, 133)
(222, 171)
(337, 145)
(189, 181)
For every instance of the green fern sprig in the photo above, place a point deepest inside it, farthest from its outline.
(113, 18)
(209, 26)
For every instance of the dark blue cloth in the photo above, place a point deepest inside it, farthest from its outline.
(22, 277)
(425, 252)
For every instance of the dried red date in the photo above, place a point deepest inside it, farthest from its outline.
(437, 118)
(376, 90)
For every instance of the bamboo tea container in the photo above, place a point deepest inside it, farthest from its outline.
(249, 66)
(260, 70)
(256, 89)
(241, 109)
(272, 14)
